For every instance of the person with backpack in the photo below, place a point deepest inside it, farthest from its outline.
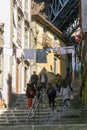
(51, 92)
(30, 93)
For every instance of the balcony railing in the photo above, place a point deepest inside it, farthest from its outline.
(46, 41)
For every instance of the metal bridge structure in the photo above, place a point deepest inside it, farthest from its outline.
(64, 14)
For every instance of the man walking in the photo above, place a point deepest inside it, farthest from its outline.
(43, 80)
(34, 78)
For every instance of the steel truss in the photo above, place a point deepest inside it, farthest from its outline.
(64, 14)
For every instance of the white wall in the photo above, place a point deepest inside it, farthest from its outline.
(5, 18)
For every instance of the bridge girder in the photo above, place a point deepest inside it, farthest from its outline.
(63, 14)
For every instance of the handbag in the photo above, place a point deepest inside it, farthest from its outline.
(32, 93)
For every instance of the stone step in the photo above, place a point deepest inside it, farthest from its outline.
(46, 127)
(20, 121)
(11, 117)
(43, 115)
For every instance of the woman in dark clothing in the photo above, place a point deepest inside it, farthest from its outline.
(51, 92)
(30, 93)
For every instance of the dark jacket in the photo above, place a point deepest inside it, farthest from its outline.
(51, 92)
(39, 87)
(34, 79)
(30, 86)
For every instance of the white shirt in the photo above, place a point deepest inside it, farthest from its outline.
(42, 78)
(65, 93)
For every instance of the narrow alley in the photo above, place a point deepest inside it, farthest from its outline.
(43, 48)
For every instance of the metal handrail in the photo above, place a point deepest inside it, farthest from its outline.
(31, 109)
(34, 105)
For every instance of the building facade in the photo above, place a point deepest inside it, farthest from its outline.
(22, 32)
(15, 14)
(46, 37)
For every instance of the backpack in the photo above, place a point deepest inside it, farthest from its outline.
(51, 92)
(32, 93)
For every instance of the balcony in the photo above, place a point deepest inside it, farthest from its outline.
(46, 41)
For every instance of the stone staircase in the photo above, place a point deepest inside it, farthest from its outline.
(43, 115)
(18, 114)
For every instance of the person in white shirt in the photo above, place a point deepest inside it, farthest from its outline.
(66, 94)
(43, 80)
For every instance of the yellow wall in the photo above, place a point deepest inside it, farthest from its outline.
(63, 66)
(60, 64)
